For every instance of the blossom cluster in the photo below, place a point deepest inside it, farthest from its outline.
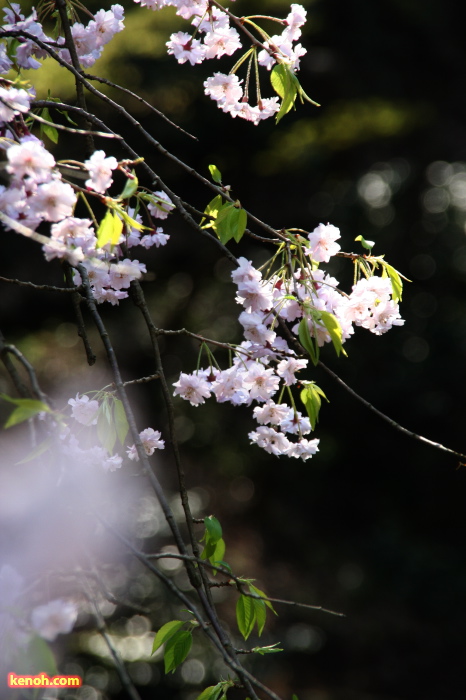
(219, 39)
(86, 412)
(36, 193)
(265, 363)
(89, 40)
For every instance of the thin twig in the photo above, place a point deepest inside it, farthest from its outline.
(137, 97)
(76, 300)
(140, 302)
(240, 583)
(70, 130)
(389, 420)
(39, 287)
(10, 367)
(6, 350)
(123, 674)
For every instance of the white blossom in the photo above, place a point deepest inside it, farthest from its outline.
(84, 410)
(54, 618)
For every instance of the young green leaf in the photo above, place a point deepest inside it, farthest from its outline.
(395, 279)
(37, 451)
(308, 343)
(109, 230)
(310, 396)
(334, 329)
(257, 591)
(130, 188)
(215, 174)
(230, 223)
(165, 632)
(260, 613)
(245, 615)
(40, 657)
(212, 209)
(286, 85)
(271, 649)
(213, 528)
(211, 693)
(25, 409)
(121, 422)
(177, 649)
(48, 129)
(214, 552)
(368, 245)
(106, 429)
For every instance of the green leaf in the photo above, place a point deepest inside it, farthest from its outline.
(165, 632)
(278, 79)
(177, 649)
(286, 85)
(212, 209)
(121, 422)
(211, 693)
(215, 174)
(230, 223)
(130, 188)
(310, 396)
(368, 245)
(224, 565)
(37, 451)
(245, 615)
(106, 430)
(40, 657)
(213, 527)
(308, 343)
(395, 279)
(219, 552)
(257, 591)
(214, 552)
(260, 613)
(294, 697)
(25, 409)
(109, 230)
(48, 129)
(334, 329)
(271, 649)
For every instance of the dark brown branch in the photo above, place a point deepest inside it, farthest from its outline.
(71, 46)
(5, 351)
(76, 300)
(70, 130)
(40, 287)
(167, 511)
(389, 420)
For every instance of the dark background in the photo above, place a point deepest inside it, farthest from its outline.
(373, 525)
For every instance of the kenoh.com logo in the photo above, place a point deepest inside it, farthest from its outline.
(42, 680)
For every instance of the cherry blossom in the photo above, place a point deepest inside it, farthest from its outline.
(322, 242)
(54, 618)
(160, 205)
(84, 410)
(192, 387)
(12, 100)
(151, 441)
(185, 48)
(100, 170)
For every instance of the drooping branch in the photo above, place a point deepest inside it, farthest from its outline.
(389, 420)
